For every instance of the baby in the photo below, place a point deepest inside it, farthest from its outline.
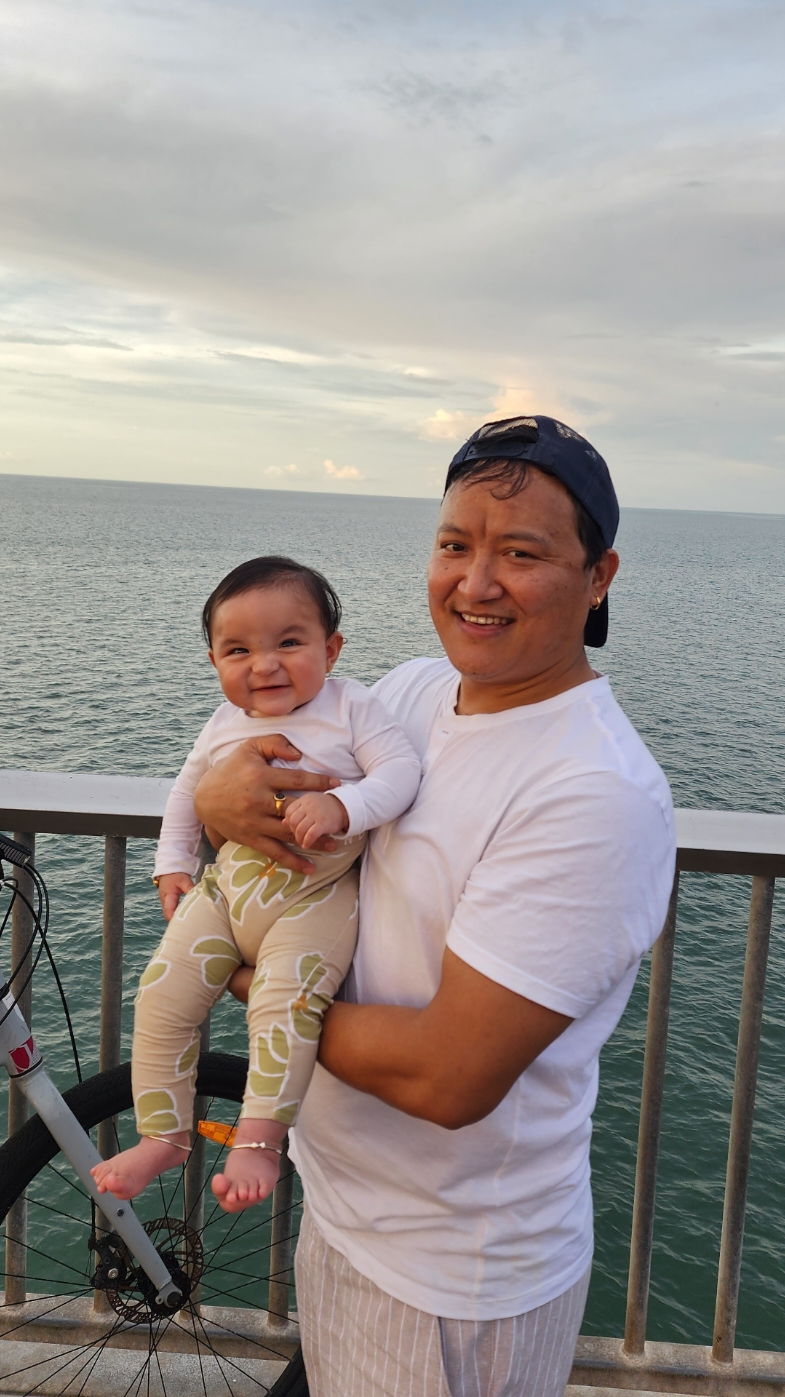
(271, 627)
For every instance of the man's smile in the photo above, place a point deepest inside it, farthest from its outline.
(474, 620)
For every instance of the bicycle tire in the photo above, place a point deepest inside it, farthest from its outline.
(29, 1162)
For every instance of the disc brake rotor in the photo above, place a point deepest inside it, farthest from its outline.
(131, 1293)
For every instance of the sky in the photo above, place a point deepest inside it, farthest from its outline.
(314, 245)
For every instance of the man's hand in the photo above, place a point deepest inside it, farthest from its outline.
(171, 887)
(452, 1062)
(240, 982)
(312, 816)
(237, 798)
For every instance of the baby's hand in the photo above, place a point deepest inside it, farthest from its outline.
(171, 887)
(312, 815)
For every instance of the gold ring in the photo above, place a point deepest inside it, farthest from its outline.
(280, 802)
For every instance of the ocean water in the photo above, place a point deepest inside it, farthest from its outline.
(103, 670)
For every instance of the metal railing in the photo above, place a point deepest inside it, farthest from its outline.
(725, 842)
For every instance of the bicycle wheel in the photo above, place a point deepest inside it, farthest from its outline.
(86, 1324)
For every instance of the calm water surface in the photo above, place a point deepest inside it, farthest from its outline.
(103, 670)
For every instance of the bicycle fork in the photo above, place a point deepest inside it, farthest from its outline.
(24, 1064)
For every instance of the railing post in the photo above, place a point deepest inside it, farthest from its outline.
(745, 1082)
(112, 972)
(281, 1245)
(111, 996)
(194, 1181)
(193, 1186)
(16, 1221)
(642, 1237)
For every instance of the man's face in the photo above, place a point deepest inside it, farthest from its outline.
(508, 586)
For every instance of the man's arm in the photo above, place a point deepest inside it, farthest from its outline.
(236, 798)
(451, 1062)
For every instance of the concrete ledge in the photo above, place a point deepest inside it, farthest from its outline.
(48, 1370)
(612, 1392)
(601, 1365)
(232, 1333)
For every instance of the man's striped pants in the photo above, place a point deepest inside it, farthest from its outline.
(360, 1342)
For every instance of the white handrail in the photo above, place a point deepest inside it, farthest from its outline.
(75, 802)
(72, 802)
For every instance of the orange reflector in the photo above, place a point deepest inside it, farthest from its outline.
(214, 1130)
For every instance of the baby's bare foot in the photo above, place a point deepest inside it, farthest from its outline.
(128, 1173)
(250, 1174)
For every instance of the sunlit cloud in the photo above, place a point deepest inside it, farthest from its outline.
(449, 426)
(341, 472)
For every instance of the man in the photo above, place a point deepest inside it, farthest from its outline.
(444, 1141)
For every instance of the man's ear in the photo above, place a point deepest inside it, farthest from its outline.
(334, 648)
(604, 571)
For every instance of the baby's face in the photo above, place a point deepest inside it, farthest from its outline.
(270, 650)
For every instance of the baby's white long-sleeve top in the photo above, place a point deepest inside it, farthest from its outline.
(345, 732)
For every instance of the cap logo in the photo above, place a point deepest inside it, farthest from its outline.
(568, 432)
(575, 436)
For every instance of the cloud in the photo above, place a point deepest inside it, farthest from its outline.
(341, 472)
(201, 266)
(273, 354)
(449, 426)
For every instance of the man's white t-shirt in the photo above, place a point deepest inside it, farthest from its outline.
(541, 850)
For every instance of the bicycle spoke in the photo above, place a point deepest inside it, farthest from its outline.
(49, 1208)
(23, 1323)
(237, 1219)
(74, 1353)
(247, 1338)
(223, 1358)
(36, 1251)
(257, 1250)
(208, 1345)
(99, 1347)
(158, 1366)
(201, 1366)
(64, 1178)
(154, 1341)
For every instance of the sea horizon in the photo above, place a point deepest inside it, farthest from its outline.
(347, 494)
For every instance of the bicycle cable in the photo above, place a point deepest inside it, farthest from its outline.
(17, 855)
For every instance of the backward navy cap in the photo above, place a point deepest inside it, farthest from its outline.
(559, 451)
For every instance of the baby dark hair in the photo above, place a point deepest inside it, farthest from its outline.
(274, 571)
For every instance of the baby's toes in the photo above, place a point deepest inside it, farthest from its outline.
(221, 1185)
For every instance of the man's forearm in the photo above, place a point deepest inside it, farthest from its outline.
(450, 1062)
(380, 1049)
